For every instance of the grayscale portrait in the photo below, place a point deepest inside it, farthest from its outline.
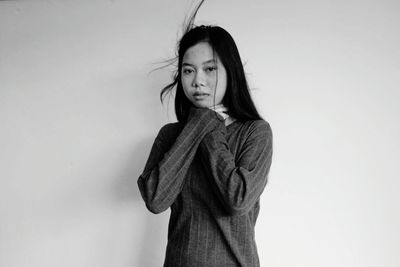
(185, 133)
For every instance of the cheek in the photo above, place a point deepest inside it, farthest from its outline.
(186, 88)
(220, 82)
(221, 88)
(186, 81)
(184, 84)
(220, 94)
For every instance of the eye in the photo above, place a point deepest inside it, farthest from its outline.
(211, 69)
(187, 71)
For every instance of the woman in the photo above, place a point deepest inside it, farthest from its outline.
(211, 166)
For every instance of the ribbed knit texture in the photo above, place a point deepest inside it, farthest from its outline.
(212, 177)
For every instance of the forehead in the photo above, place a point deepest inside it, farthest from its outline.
(199, 53)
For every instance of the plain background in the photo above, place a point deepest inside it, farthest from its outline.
(79, 110)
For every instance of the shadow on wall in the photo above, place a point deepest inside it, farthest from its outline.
(151, 248)
(150, 230)
(126, 187)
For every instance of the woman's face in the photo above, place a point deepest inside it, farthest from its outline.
(203, 76)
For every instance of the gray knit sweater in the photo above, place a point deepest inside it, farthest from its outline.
(211, 176)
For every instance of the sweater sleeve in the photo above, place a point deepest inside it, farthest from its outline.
(168, 163)
(238, 184)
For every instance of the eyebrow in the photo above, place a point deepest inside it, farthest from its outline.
(204, 63)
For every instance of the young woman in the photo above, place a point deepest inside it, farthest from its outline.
(211, 166)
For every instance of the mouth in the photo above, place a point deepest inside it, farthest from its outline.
(198, 94)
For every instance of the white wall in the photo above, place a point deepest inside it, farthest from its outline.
(79, 112)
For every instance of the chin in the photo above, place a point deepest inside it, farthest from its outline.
(201, 105)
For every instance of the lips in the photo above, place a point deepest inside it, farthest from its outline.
(199, 94)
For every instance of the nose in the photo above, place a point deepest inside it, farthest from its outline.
(198, 80)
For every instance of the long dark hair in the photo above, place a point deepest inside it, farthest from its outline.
(237, 97)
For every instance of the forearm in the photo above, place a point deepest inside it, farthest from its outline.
(164, 175)
(238, 185)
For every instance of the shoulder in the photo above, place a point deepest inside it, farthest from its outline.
(170, 127)
(256, 133)
(258, 128)
(170, 131)
(259, 135)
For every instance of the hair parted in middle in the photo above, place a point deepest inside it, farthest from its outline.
(237, 97)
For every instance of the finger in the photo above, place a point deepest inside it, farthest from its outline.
(221, 109)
